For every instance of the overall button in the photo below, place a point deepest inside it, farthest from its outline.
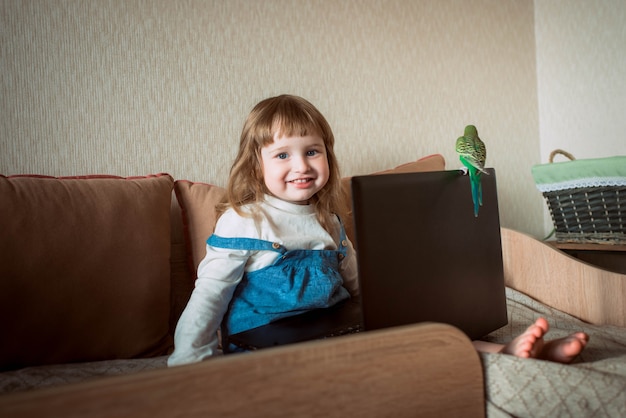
(275, 245)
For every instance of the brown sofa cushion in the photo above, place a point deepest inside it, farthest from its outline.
(198, 201)
(84, 268)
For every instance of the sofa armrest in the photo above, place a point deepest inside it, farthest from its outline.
(425, 369)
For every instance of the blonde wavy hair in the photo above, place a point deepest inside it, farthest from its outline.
(289, 116)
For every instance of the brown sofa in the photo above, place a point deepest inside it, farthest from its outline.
(97, 269)
(95, 272)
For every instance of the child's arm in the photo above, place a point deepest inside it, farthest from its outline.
(219, 274)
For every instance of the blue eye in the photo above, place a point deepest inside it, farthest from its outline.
(311, 153)
(282, 155)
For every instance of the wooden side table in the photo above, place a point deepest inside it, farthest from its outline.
(606, 256)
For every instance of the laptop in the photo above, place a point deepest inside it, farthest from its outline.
(422, 257)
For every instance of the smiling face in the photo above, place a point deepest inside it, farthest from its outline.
(295, 168)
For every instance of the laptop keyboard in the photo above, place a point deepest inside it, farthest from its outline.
(345, 331)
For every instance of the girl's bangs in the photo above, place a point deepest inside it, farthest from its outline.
(302, 126)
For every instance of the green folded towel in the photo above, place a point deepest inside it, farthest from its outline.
(592, 172)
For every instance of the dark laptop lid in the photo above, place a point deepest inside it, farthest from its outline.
(423, 256)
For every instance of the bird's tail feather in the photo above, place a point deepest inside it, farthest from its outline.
(477, 191)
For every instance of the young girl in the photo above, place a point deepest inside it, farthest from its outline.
(279, 247)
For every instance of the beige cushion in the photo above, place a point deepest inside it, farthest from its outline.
(84, 268)
(198, 201)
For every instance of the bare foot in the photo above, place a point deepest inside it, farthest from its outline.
(564, 350)
(530, 343)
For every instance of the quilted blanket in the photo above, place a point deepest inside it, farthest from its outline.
(594, 385)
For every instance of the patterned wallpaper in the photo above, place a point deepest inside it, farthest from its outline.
(131, 87)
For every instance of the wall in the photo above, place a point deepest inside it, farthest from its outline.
(581, 72)
(133, 87)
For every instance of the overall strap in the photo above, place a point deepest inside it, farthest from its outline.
(249, 244)
(343, 243)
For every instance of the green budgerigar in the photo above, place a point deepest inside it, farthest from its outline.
(472, 153)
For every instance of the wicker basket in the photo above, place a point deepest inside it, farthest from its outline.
(595, 209)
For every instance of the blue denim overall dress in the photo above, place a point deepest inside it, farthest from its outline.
(296, 282)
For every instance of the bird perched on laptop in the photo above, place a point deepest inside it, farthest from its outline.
(472, 153)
